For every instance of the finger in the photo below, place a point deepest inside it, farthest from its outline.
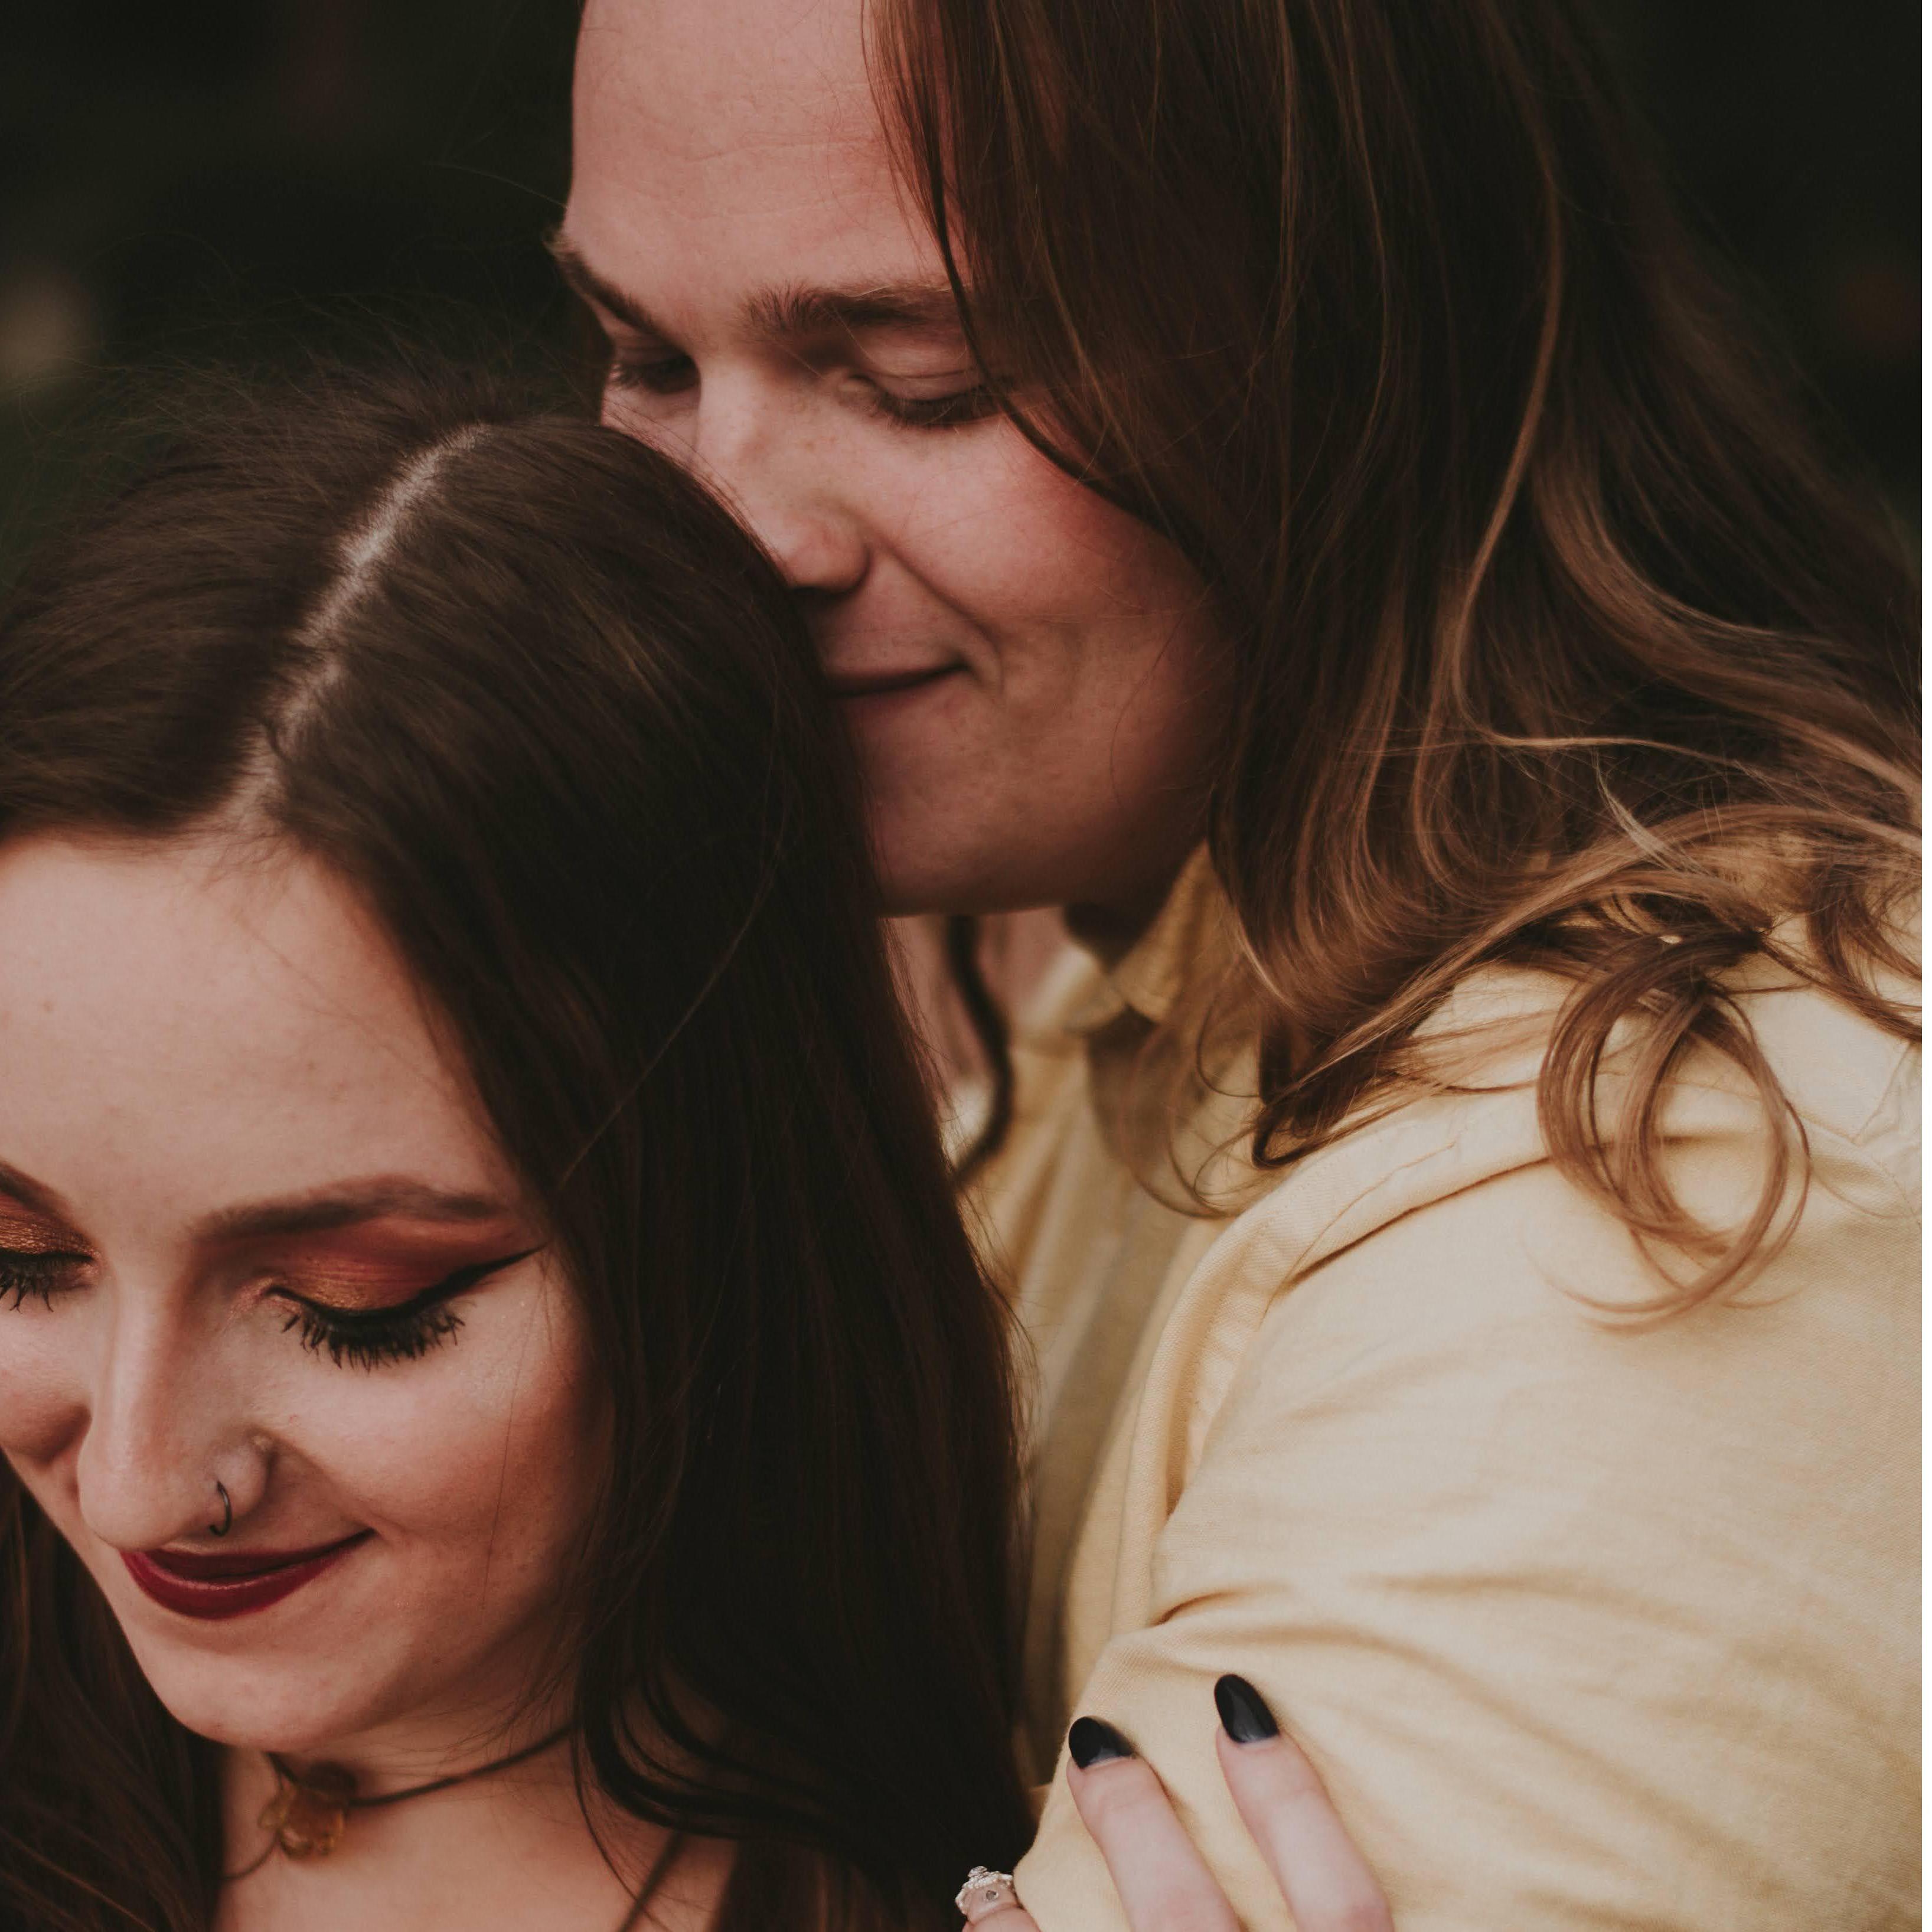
(982, 1887)
(1162, 1882)
(1325, 1880)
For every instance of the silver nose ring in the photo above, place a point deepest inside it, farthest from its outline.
(227, 1514)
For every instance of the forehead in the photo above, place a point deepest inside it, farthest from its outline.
(181, 1030)
(725, 145)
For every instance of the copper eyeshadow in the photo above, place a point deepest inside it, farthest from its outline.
(26, 1234)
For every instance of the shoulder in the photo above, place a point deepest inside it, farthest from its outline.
(1432, 1333)
(1850, 1085)
(1427, 1232)
(1397, 1461)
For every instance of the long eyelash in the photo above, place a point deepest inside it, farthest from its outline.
(365, 1341)
(366, 1338)
(40, 1275)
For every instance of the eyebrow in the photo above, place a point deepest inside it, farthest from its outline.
(30, 1193)
(348, 1203)
(792, 310)
(796, 310)
(342, 1205)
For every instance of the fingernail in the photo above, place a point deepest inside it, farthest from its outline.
(1093, 1741)
(1245, 1715)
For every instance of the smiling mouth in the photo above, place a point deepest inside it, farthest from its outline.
(886, 684)
(231, 1582)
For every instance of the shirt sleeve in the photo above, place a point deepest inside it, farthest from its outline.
(1586, 1624)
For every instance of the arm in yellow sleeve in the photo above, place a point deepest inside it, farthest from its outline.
(1585, 1625)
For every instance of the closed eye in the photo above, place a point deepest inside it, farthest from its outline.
(656, 375)
(37, 1273)
(364, 1337)
(955, 410)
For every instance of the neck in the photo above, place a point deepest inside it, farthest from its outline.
(513, 1847)
(1110, 931)
(392, 1759)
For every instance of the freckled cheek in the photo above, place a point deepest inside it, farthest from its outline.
(486, 1462)
(43, 1400)
(1025, 552)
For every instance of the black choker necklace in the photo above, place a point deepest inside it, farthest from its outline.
(309, 1813)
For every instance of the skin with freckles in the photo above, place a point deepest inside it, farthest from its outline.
(233, 1149)
(1029, 672)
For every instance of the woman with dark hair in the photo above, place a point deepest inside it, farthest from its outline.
(503, 1426)
(1273, 480)
(483, 1307)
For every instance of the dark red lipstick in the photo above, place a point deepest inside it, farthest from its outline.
(231, 1582)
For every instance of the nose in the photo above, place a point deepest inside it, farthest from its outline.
(164, 1431)
(791, 484)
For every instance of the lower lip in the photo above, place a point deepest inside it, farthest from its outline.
(212, 1598)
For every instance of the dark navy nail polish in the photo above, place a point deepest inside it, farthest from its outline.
(1093, 1741)
(1245, 1715)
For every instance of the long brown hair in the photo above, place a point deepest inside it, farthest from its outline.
(535, 695)
(1553, 641)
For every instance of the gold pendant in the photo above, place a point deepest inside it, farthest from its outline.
(307, 1815)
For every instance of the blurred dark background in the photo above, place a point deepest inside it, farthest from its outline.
(232, 178)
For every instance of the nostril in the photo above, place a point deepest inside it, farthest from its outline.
(144, 1496)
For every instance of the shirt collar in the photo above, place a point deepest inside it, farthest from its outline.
(1148, 978)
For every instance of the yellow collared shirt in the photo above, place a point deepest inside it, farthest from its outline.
(1587, 1625)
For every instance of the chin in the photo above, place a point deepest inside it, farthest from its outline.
(954, 871)
(298, 1709)
(908, 893)
(913, 881)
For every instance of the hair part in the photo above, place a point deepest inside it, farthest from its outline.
(577, 763)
